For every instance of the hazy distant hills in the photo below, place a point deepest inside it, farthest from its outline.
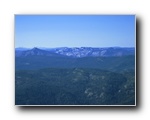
(114, 59)
(75, 52)
(34, 52)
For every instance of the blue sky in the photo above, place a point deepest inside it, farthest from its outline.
(74, 31)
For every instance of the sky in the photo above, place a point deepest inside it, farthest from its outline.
(74, 31)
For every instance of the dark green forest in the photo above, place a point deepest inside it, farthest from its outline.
(45, 80)
(123, 63)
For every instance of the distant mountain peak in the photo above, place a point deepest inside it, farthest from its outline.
(35, 48)
(36, 52)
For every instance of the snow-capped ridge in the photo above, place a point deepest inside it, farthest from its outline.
(77, 52)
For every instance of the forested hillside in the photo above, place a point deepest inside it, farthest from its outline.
(74, 87)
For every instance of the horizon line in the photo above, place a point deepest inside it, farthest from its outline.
(81, 47)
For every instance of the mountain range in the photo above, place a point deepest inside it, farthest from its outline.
(114, 58)
(75, 52)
